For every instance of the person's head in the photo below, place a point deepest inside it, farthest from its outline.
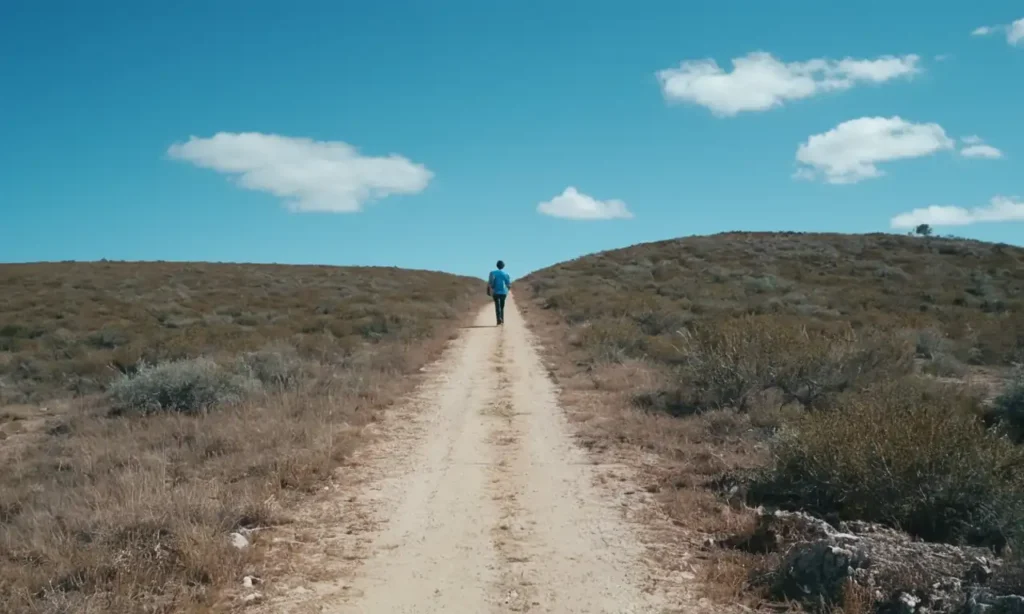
(501, 264)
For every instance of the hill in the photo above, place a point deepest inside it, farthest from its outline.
(149, 410)
(70, 328)
(862, 378)
(970, 293)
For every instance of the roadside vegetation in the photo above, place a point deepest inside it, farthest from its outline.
(852, 378)
(154, 417)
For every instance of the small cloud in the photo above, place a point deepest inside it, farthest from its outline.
(981, 151)
(759, 81)
(976, 148)
(805, 173)
(999, 209)
(851, 151)
(1014, 31)
(324, 176)
(574, 205)
(942, 57)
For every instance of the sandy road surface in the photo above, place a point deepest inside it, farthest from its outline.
(477, 500)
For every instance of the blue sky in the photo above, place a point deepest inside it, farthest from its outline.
(428, 134)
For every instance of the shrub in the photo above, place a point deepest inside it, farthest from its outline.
(1009, 406)
(108, 338)
(930, 342)
(611, 340)
(874, 282)
(945, 365)
(278, 368)
(905, 453)
(1009, 578)
(186, 386)
(726, 363)
(760, 285)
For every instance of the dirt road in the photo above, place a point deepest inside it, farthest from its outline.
(476, 499)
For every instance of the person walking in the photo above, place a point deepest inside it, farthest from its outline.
(498, 285)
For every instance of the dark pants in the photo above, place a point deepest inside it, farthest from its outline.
(499, 307)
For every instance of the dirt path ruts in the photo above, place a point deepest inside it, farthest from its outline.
(475, 500)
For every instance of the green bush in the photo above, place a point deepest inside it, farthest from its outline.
(727, 363)
(186, 386)
(611, 340)
(278, 368)
(1009, 406)
(905, 453)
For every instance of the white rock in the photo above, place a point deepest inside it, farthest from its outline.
(247, 582)
(252, 597)
(239, 541)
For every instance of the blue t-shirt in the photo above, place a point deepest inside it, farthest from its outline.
(499, 281)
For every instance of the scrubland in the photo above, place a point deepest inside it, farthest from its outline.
(149, 411)
(869, 379)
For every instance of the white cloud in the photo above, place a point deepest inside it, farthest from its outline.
(573, 205)
(999, 209)
(981, 151)
(759, 81)
(1014, 31)
(310, 175)
(851, 151)
(976, 148)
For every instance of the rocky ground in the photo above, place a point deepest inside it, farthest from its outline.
(879, 569)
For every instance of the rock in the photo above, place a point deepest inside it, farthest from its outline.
(247, 582)
(979, 572)
(239, 541)
(905, 603)
(252, 597)
(777, 528)
(817, 570)
(907, 576)
(979, 601)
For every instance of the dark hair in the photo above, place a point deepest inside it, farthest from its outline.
(501, 264)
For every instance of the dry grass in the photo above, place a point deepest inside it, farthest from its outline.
(71, 328)
(104, 511)
(744, 348)
(1008, 407)
(962, 298)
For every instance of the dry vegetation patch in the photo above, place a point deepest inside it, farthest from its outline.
(151, 410)
(853, 378)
